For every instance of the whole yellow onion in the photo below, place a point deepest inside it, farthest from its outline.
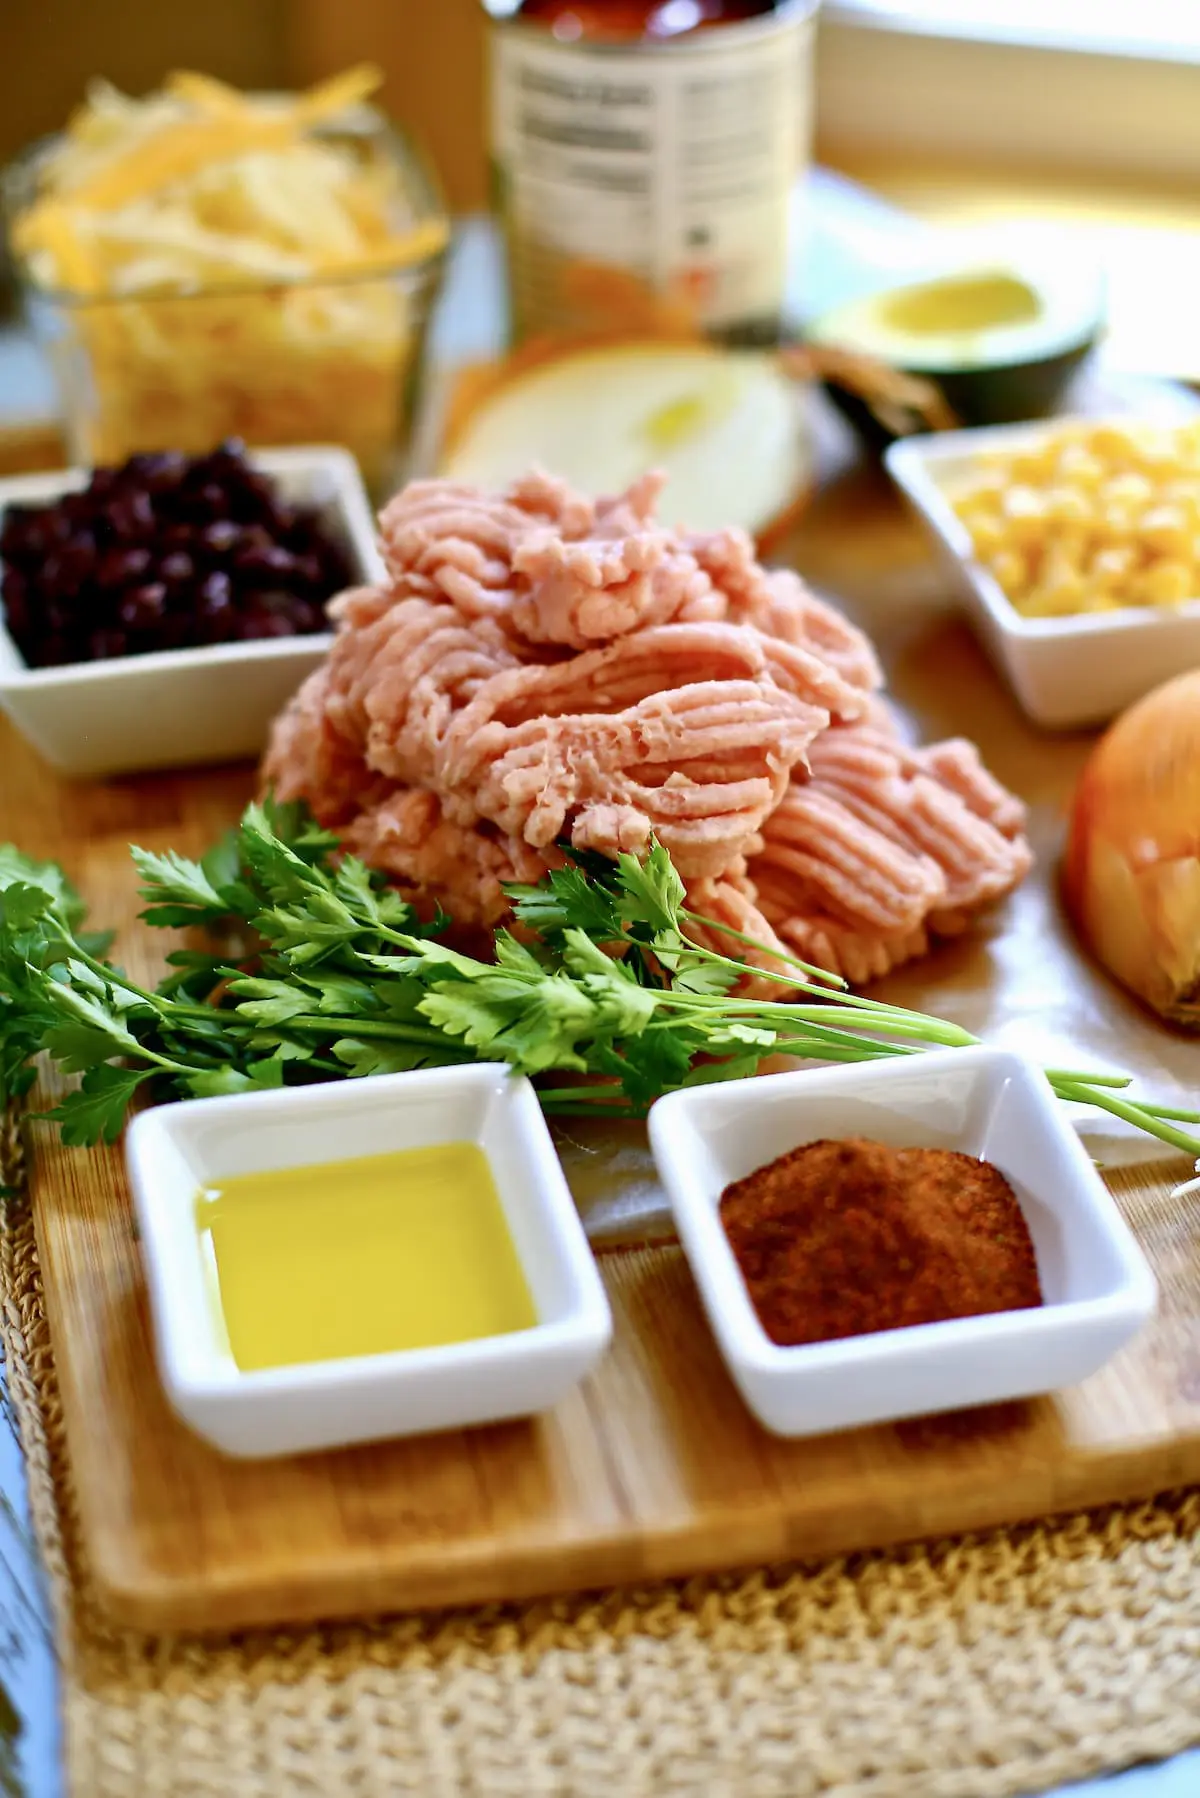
(1132, 874)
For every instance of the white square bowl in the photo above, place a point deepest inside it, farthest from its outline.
(181, 707)
(174, 1150)
(1097, 1285)
(1066, 672)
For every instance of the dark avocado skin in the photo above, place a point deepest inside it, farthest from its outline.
(977, 396)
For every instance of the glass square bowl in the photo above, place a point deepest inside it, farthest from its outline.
(322, 359)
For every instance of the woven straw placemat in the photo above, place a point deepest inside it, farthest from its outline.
(980, 1667)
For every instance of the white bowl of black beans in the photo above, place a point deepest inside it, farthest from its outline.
(161, 614)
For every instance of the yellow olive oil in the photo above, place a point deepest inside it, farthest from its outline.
(364, 1257)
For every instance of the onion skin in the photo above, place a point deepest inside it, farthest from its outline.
(1131, 879)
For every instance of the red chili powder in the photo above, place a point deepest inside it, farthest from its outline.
(842, 1238)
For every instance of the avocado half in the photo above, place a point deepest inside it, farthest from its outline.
(1000, 343)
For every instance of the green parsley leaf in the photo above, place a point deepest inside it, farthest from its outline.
(177, 892)
(373, 1057)
(647, 1066)
(494, 1014)
(20, 870)
(652, 892)
(95, 1112)
(78, 1046)
(567, 897)
(264, 1075)
(23, 906)
(268, 1001)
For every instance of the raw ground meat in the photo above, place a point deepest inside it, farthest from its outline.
(543, 669)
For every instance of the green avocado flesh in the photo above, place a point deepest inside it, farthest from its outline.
(1001, 344)
(963, 303)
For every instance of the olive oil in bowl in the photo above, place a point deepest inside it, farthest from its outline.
(408, 1250)
(439, 1278)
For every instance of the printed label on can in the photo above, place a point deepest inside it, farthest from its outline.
(673, 164)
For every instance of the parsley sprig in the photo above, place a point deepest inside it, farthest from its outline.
(313, 968)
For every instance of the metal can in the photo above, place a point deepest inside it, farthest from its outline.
(649, 149)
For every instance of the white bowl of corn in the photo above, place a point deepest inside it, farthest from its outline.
(1076, 546)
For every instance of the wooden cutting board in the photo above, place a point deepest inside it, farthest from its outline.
(652, 1467)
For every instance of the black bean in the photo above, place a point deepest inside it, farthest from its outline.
(165, 552)
(252, 500)
(306, 575)
(219, 538)
(104, 482)
(159, 472)
(176, 631)
(258, 626)
(15, 592)
(258, 567)
(177, 569)
(121, 567)
(104, 644)
(216, 622)
(129, 517)
(305, 617)
(20, 524)
(142, 607)
(53, 651)
(31, 532)
(76, 507)
(214, 595)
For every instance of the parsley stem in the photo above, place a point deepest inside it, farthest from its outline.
(830, 997)
(606, 1096)
(850, 1013)
(850, 1048)
(1170, 1112)
(392, 1033)
(806, 967)
(1142, 1118)
(1073, 1074)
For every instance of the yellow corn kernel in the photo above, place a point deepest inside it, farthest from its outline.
(1033, 466)
(1157, 456)
(1065, 505)
(1010, 569)
(1061, 569)
(1116, 524)
(1184, 493)
(1165, 530)
(1077, 466)
(1112, 444)
(1051, 602)
(1128, 489)
(988, 532)
(1164, 583)
(1066, 545)
(1109, 568)
(1025, 512)
(988, 487)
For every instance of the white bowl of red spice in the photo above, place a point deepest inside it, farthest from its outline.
(998, 1226)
